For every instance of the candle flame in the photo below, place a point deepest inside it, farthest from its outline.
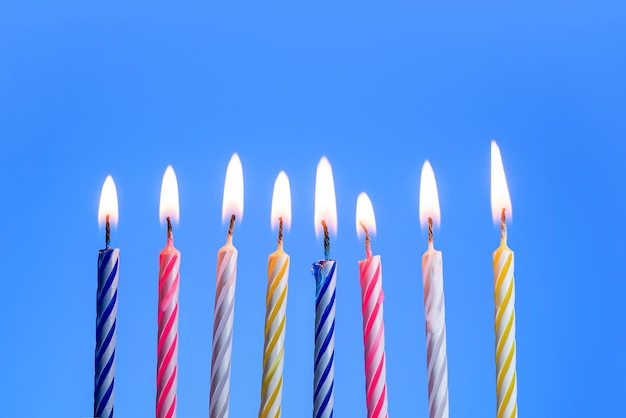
(365, 215)
(500, 197)
(168, 206)
(108, 203)
(429, 197)
(325, 202)
(232, 203)
(281, 201)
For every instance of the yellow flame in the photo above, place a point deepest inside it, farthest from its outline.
(232, 204)
(281, 201)
(365, 215)
(108, 202)
(325, 202)
(169, 196)
(500, 197)
(429, 197)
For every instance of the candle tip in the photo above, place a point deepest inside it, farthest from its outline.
(280, 231)
(326, 241)
(231, 226)
(503, 225)
(431, 233)
(368, 246)
(108, 232)
(169, 228)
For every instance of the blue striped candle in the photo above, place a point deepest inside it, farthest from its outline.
(324, 373)
(106, 312)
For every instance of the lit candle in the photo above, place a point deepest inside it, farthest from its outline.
(106, 306)
(434, 304)
(503, 264)
(325, 283)
(372, 297)
(169, 277)
(276, 305)
(226, 276)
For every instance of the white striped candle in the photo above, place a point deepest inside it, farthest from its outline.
(226, 280)
(434, 303)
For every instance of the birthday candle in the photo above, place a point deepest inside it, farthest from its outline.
(169, 277)
(226, 276)
(504, 297)
(276, 305)
(325, 275)
(106, 307)
(434, 304)
(372, 297)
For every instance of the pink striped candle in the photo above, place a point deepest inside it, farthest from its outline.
(169, 277)
(372, 296)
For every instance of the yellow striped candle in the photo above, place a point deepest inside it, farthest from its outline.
(504, 283)
(276, 305)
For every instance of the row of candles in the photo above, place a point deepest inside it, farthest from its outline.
(325, 273)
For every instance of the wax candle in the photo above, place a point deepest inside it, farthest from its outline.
(276, 305)
(169, 278)
(434, 304)
(106, 306)
(226, 276)
(504, 296)
(372, 297)
(325, 275)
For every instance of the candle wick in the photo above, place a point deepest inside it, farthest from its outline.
(280, 231)
(431, 233)
(231, 226)
(368, 246)
(108, 232)
(326, 241)
(169, 229)
(503, 225)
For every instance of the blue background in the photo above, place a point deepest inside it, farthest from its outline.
(89, 89)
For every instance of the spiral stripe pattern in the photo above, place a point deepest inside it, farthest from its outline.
(274, 348)
(506, 375)
(106, 323)
(372, 297)
(324, 373)
(223, 332)
(167, 348)
(437, 362)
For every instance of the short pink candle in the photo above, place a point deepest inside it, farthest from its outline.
(372, 297)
